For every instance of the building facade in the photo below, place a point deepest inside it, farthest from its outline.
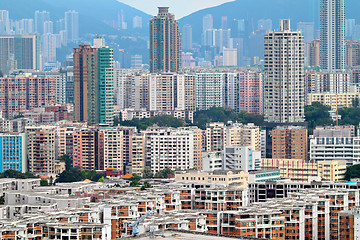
(93, 84)
(289, 142)
(165, 42)
(19, 52)
(25, 92)
(284, 85)
(332, 35)
(41, 152)
(13, 152)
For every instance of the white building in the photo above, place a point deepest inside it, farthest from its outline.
(230, 56)
(210, 90)
(284, 83)
(211, 161)
(240, 158)
(331, 82)
(169, 148)
(332, 35)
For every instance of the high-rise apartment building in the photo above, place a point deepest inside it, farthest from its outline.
(215, 137)
(41, 149)
(243, 135)
(198, 139)
(86, 150)
(19, 52)
(187, 37)
(93, 84)
(332, 35)
(72, 25)
(208, 22)
(307, 29)
(4, 22)
(64, 86)
(13, 152)
(251, 91)
(352, 53)
(284, 90)
(289, 143)
(137, 155)
(169, 148)
(313, 53)
(230, 56)
(25, 92)
(110, 149)
(330, 82)
(40, 18)
(171, 91)
(165, 42)
(209, 90)
(137, 22)
(65, 141)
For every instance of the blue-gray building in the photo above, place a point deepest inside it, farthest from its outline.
(13, 152)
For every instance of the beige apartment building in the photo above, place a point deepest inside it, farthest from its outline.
(229, 178)
(243, 135)
(41, 149)
(298, 170)
(333, 100)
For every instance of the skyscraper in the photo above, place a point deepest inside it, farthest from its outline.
(4, 22)
(208, 22)
(93, 84)
(308, 30)
(187, 37)
(72, 25)
(332, 35)
(165, 42)
(313, 53)
(284, 94)
(40, 18)
(19, 52)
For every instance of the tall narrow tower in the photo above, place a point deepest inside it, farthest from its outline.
(93, 84)
(332, 35)
(284, 85)
(165, 42)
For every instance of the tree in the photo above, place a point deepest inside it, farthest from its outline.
(355, 102)
(16, 174)
(147, 173)
(317, 114)
(89, 174)
(134, 183)
(165, 173)
(349, 116)
(162, 121)
(44, 182)
(68, 161)
(116, 121)
(145, 186)
(352, 172)
(71, 175)
(219, 114)
(101, 179)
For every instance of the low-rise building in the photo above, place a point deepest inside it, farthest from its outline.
(227, 178)
(298, 170)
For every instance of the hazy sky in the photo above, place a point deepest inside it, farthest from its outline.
(180, 8)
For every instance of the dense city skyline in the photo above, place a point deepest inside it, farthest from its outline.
(227, 123)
